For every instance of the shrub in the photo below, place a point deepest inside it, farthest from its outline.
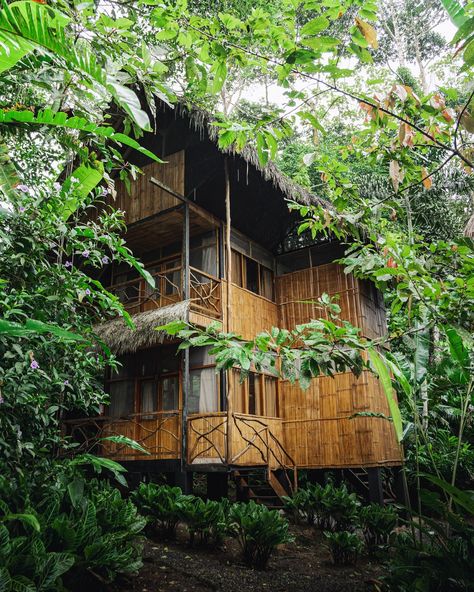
(205, 519)
(305, 504)
(83, 528)
(258, 531)
(344, 546)
(162, 505)
(26, 565)
(339, 508)
(377, 523)
(100, 530)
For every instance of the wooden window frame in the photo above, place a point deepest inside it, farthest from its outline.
(243, 275)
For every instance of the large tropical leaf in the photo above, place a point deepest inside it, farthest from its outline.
(13, 329)
(31, 26)
(455, 11)
(124, 441)
(86, 179)
(382, 372)
(8, 173)
(60, 119)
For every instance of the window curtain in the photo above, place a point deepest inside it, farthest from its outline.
(203, 396)
(122, 398)
(148, 398)
(169, 393)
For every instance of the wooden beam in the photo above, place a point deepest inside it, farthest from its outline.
(228, 268)
(186, 384)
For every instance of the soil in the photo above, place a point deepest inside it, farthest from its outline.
(302, 566)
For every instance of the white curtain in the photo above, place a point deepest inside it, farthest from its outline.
(122, 398)
(203, 395)
(208, 394)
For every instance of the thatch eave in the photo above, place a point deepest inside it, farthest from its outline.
(202, 121)
(118, 336)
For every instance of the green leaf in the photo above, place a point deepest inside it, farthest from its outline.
(378, 364)
(60, 119)
(88, 178)
(464, 499)
(455, 11)
(76, 491)
(124, 441)
(316, 25)
(468, 54)
(29, 519)
(128, 100)
(219, 72)
(172, 328)
(457, 349)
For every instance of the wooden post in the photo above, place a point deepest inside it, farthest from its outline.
(228, 278)
(185, 366)
(375, 485)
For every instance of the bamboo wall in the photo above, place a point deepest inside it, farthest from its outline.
(145, 198)
(318, 431)
(251, 314)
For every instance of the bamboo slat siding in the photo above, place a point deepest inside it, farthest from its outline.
(251, 314)
(145, 198)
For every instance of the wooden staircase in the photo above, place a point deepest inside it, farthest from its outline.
(263, 485)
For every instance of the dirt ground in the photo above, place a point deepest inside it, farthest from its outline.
(302, 566)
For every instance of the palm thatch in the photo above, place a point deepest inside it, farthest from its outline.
(469, 229)
(121, 339)
(202, 121)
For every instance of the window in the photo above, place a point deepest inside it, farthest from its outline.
(251, 275)
(122, 398)
(248, 273)
(147, 383)
(203, 253)
(204, 392)
(256, 395)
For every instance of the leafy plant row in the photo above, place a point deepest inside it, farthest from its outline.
(257, 529)
(340, 515)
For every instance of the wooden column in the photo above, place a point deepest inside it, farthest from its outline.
(185, 364)
(375, 485)
(228, 278)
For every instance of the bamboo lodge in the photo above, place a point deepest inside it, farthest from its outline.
(175, 404)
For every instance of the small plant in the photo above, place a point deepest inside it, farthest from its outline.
(258, 531)
(162, 505)
(377, 523)
(339, 508)
(305, 504)
(206, 520)
(344, 546)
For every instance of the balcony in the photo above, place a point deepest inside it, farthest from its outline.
(205, 291)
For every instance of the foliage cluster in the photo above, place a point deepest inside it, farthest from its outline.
(257, 529)
(71, 530)
(340, 515)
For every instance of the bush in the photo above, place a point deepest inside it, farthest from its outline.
(339, 508)
(442, 562)
(162, 506)
(85, 527)
(377, 523)
(26, 565)
(344, 546)
(305, 504)
(258, 531)
(205, 519)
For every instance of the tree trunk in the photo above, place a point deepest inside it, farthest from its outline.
(421, 66)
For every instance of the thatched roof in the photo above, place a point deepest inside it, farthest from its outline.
(121, 339)
(202, 121)
(469, 229)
